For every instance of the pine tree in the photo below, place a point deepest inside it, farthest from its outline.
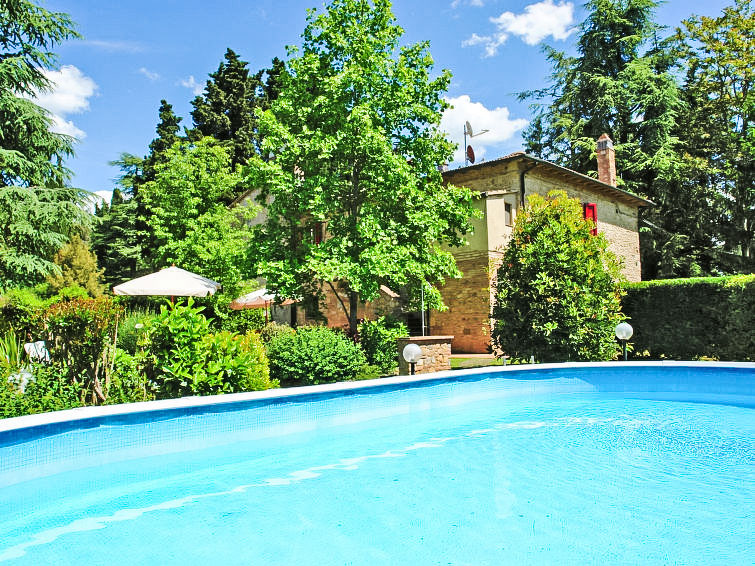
(167, 136)
(78, 266)
(30, 155)
(621, 82)
(115, 239)
(37, 212)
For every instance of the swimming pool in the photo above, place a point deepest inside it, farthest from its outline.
(559, 464)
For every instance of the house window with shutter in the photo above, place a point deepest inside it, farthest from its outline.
(508, 215)
(590, 212)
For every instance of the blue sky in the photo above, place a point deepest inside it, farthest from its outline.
(135, 53)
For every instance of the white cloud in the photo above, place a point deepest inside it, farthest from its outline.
(151, 75)
(479, 3)
(69, 93)
(498, 121)
(192, 83)
(104, 195)
(537, 22)
(114, 46)
(67, 127)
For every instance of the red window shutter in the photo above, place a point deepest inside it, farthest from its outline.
(590, 211)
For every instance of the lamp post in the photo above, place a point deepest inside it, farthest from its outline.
(624, 332)
(412, 353)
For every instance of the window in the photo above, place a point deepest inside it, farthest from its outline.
(319, 232)
(590, 212)
(507, 214)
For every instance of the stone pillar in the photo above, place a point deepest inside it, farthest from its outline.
(436, 353)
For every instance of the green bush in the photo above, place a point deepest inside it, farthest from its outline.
(79, 335)
(18, 312)
(183, 357)
(127, 383)
(11, 398)
(558, 292)
(272, 329)
(233, 363)
(129, 334)
(244, 321)
(378, 340)
(53, 387)
(313, 355)
(704, 317)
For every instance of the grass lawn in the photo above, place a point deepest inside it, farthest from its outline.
(465, 363)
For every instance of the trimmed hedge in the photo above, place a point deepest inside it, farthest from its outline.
(685, 319)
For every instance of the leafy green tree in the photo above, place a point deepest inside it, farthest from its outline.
(78, 266)
(558, 292)
(621, 82)
(30, 155)
(191, 225)
(719, 55)
(122, 239)
(356, 145)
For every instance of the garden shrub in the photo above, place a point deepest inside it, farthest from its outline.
(272, 329)
(18, 311)
(244, 321)
(53, 387)
(558, 293)
(127, 383)
(313, 355)
(703, 317)
(11, 398)
(79, 335)
(233, 363)
(378, 340)
(183, 357)
(129, 334)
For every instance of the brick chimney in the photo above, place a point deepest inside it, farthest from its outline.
(606, 161)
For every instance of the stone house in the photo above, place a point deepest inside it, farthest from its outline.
(504, 185)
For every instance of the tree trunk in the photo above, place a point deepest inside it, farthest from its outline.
(353, 306)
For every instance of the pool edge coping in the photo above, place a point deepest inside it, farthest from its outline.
(101, 411)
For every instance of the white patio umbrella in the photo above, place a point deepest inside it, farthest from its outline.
(171, 282)
(260, 299)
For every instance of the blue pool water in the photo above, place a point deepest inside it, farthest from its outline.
(641, 465)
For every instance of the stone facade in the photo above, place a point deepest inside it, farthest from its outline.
(499, 183)
(436, 354)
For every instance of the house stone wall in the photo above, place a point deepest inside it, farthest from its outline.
(616, 219)
(469, 299)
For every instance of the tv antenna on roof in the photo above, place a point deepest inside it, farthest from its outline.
(468, 151)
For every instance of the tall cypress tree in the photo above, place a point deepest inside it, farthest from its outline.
(167, 135)
(226, 110)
